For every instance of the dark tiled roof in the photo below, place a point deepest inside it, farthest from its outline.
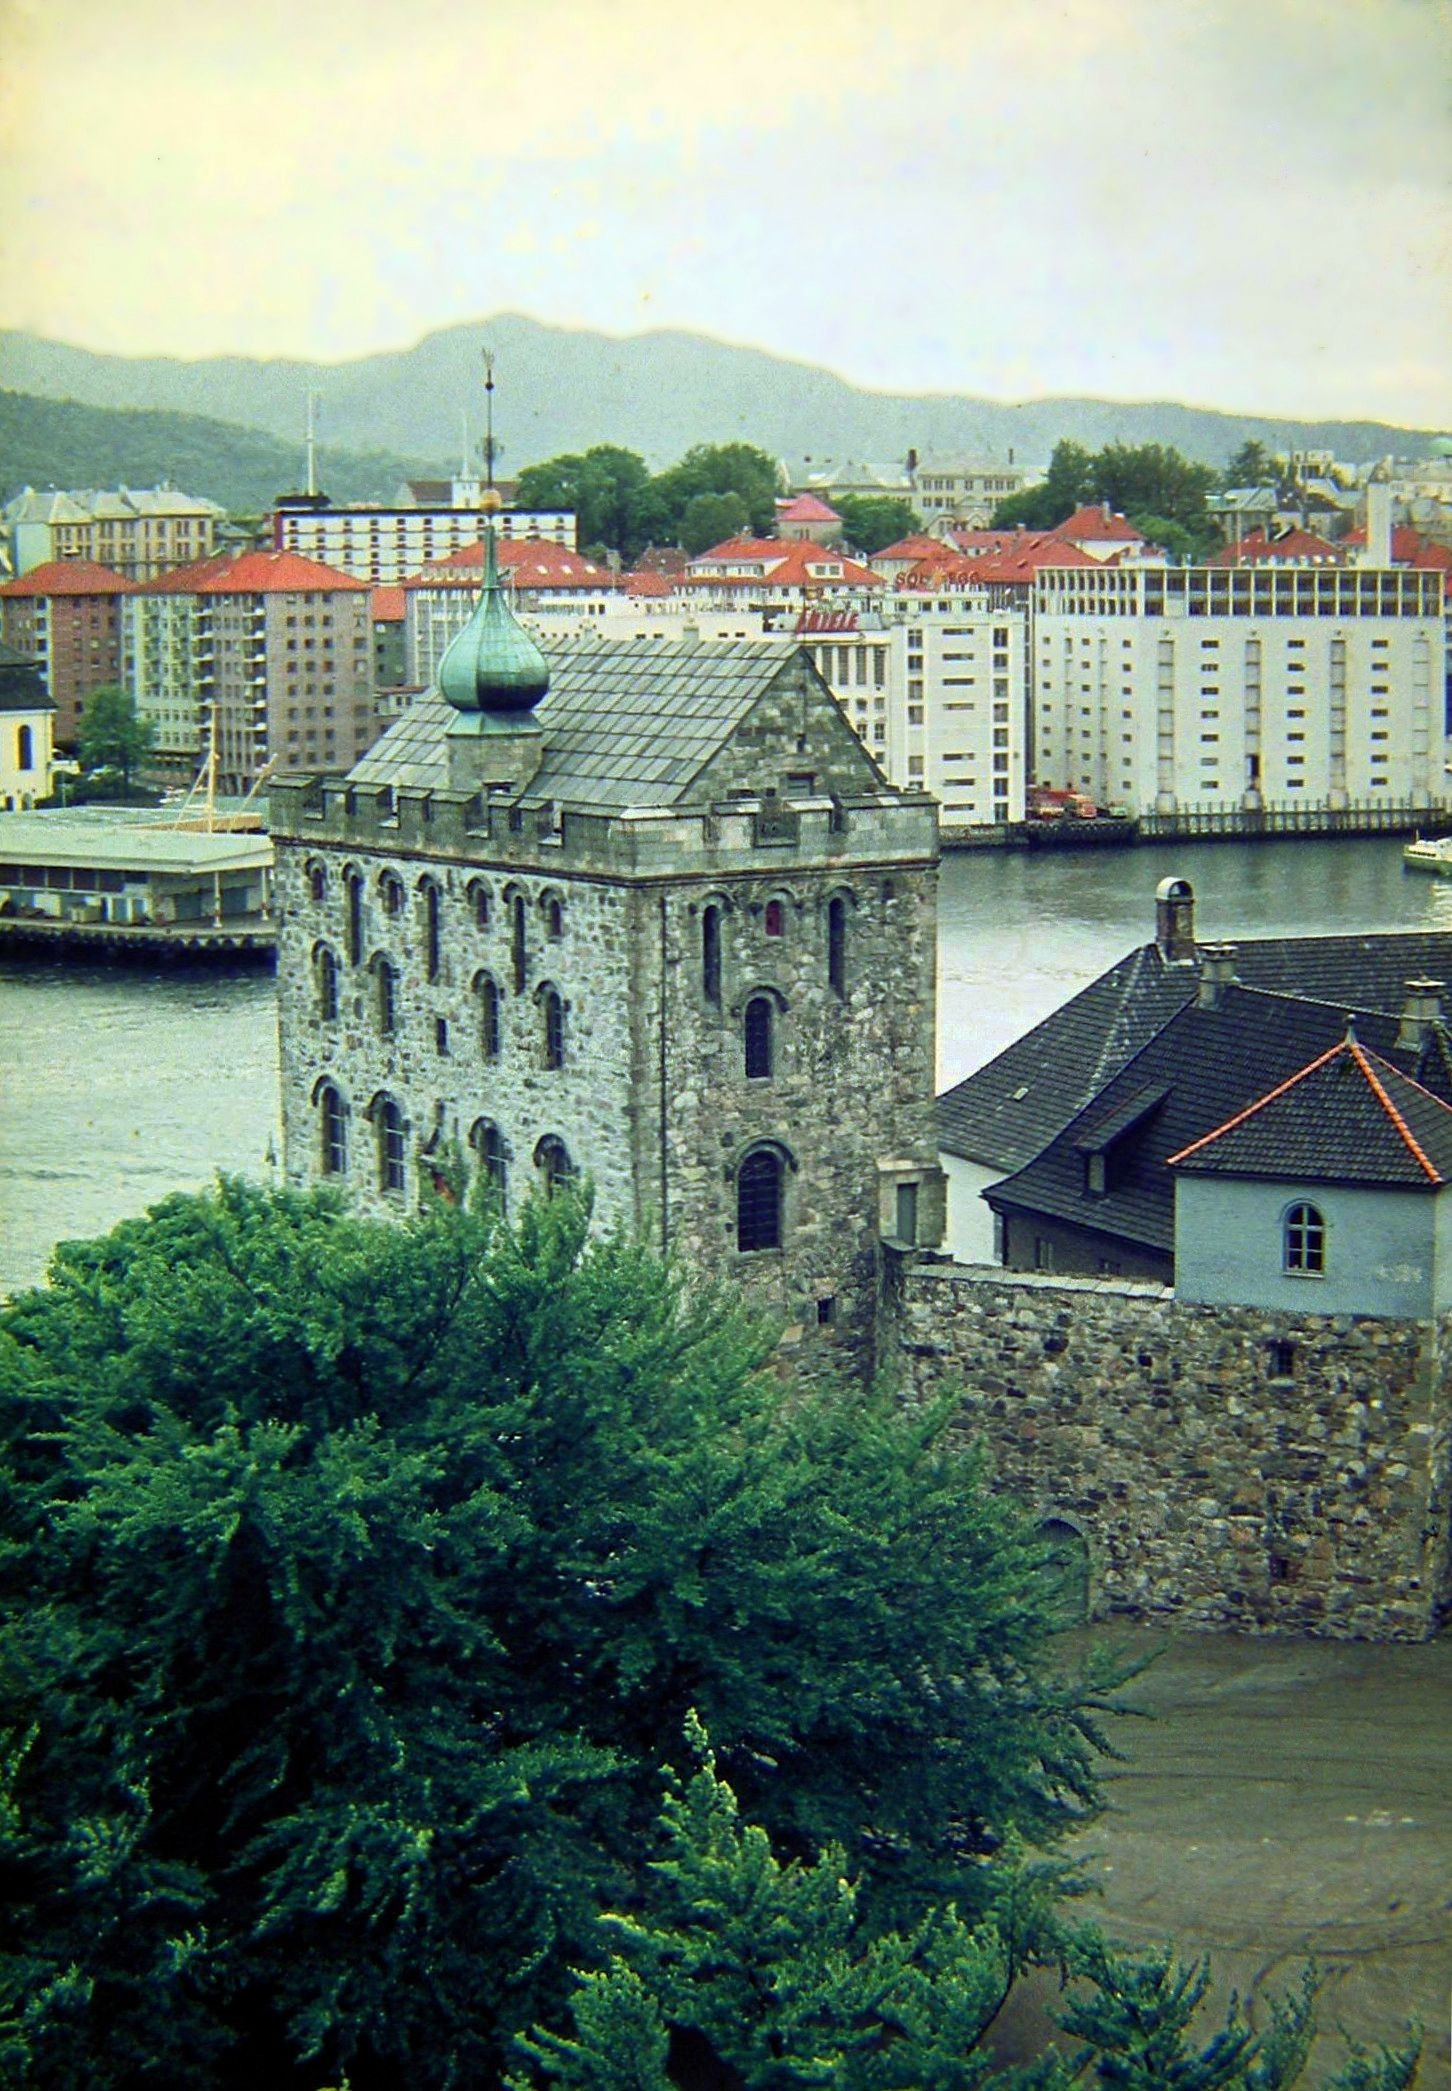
(1209, 1067)
(22, 684)
(1008, 1110)
(1348, 1117)
(625, 722)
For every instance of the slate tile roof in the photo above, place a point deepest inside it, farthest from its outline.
(626, 722)
(1003, 1114)
(1205, 1068)
(1348, 1116)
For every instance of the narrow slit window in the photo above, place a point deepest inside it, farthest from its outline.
(757, 1037)
(837, 945)
(334, 1128)
(758, 1201)
(711, 954)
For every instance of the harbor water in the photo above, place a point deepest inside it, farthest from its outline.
(122, 1085)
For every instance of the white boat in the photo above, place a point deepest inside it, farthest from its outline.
(1433, 856)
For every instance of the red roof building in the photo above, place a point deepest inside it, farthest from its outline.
(1101, 528)
(806, 518)
(776, 569)
(269, 655)
(66, 616)
(1290, 548)
(528, 564)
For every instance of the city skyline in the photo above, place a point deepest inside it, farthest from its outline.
(1236, 206)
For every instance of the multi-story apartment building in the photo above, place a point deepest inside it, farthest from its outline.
(1239, 689)
(265, 653)
(66, 616)
(962, 490)
(137, 532)
(939, 696)
(385, 545)
(936, 693)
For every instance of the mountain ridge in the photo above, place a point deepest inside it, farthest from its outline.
(656, 392)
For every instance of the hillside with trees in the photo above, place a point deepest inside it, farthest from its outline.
(445, 1654)
(58, 443)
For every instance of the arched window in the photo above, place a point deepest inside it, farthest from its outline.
(390, 888)
(478, 894)
(757, 1036)
(758, 1200)
(554, 919)
(774, 921)
(837, 945)
(333, 1130)
(318, 880)
(392, 1153)
(387, 997)
(355, 917)
(488, 992)
(1305, 1241)
(552, 1019)
(24, 749)
(327, 984)
(517, 943)
(711, 954)
(488, 1143)
(433, 929)
(552, 1159)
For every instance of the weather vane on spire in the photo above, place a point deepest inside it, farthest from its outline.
(489, 500)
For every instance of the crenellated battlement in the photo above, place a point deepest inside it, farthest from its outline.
(745, 832)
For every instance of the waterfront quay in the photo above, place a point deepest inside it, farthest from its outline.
(110, 883)
(1204, 824)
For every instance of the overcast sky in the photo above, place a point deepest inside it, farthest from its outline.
(1240, 203)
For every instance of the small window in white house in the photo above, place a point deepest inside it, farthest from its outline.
(1304, 1241)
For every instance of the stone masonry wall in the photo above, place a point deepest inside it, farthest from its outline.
(443, 1081)
(1219, 1481)
(850, 1089)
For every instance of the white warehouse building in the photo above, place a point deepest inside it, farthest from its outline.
(1233, 690)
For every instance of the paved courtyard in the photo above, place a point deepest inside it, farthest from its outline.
(1289, 1800)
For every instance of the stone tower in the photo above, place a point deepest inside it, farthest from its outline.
(642, 911)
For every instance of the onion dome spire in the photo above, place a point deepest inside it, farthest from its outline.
(493, 665)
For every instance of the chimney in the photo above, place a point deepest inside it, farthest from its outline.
(1422, 1009)
(1217, 972)
(1175, 921)
(1378, 523)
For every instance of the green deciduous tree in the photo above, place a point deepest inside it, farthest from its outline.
(358, 1579)
(872, 521)
(1067, 485)
(603, 487)
(708, 519)
(1153, 479)
(112, 736)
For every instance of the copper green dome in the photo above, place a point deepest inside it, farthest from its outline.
(493, 665)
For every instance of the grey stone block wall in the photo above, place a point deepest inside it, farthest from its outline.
(1218, 1481)
(653, 1101)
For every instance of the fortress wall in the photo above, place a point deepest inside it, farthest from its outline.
(1219, 1478)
